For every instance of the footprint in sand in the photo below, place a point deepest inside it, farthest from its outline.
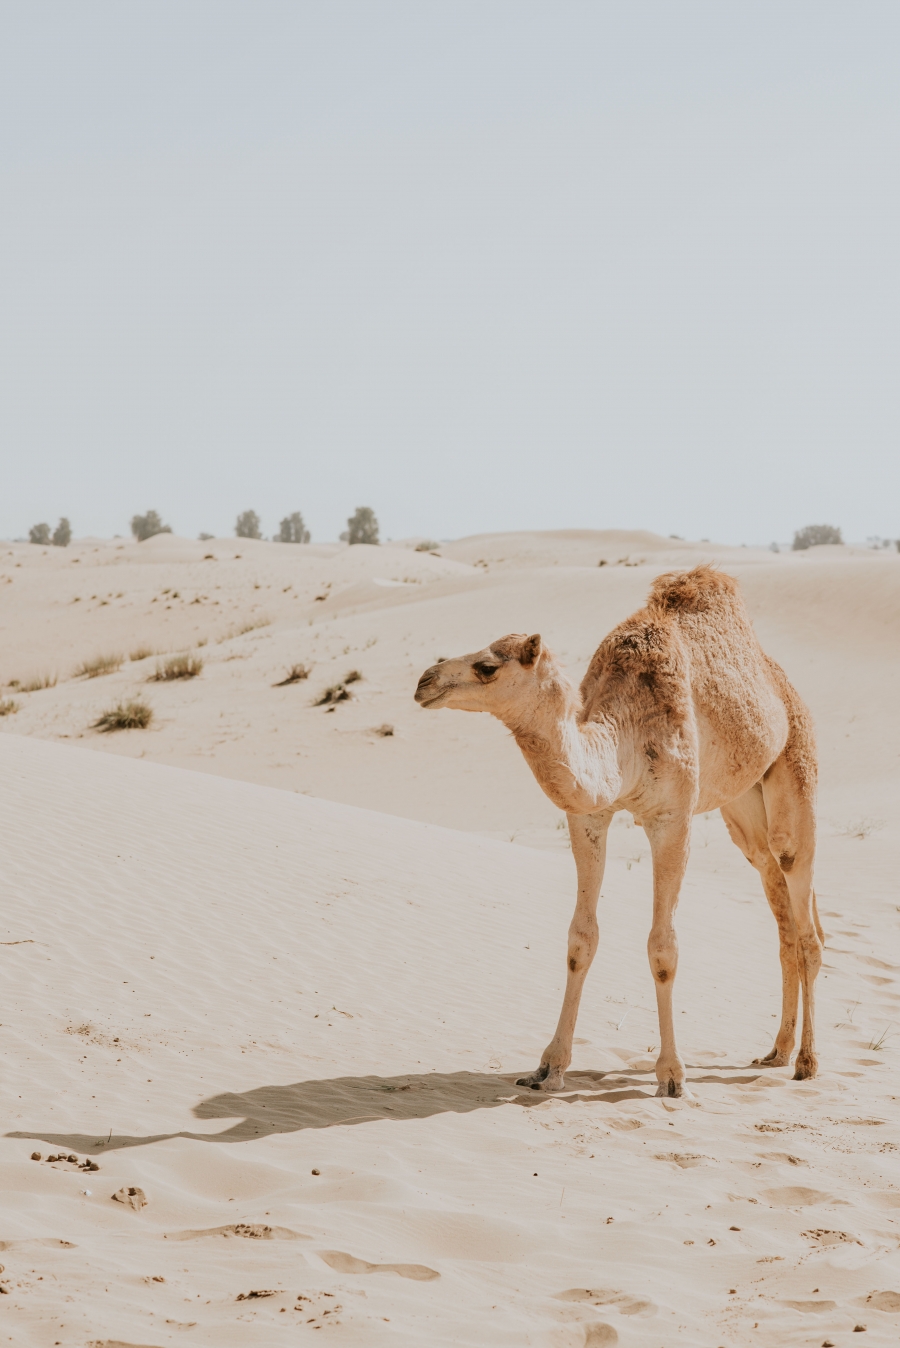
(118, 1343)
(600, 1335)
(49, 1242)
(346, 1263)
(598, 1296)
(794, 1196)
(882, 1301)
(245, 1230)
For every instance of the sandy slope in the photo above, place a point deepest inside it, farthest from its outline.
(217, 988)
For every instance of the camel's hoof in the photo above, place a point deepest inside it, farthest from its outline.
(673, 1089)
(806, 1066)
(773, 1059)
(544, 1079)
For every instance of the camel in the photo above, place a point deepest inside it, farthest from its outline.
(680, 712)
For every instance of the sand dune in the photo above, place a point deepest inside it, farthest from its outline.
(295, 1024)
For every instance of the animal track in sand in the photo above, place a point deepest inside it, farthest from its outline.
(600, 1335)
(347, 1263)
(824, 1237)
(598, 1296)
(246, 1230)
(811, 1307)
(882, 1301)
(687, 1160)
(794, 1196)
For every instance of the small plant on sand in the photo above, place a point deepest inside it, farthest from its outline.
(125, 716)
(427, 545)
(296, 674)
(876, 1045)
(8, 706)
(383, 732)
(101, 664)
(814, 535)
(35, 683)
(177, 667)
(338, 692)
(148, 526)
(141, 653)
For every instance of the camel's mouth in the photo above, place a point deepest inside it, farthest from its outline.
(427, 697)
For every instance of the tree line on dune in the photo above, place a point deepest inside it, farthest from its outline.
(362, 527)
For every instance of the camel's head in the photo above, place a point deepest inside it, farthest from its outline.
(490, 680)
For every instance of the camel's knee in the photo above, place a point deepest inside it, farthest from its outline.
(788, 849)
(811, 953)
(662, 952)
(582, 948)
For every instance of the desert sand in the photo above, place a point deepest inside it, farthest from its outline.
(368, 905)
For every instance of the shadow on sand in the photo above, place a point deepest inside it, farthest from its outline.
(352, 1100)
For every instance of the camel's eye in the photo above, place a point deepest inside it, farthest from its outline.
(484, 670)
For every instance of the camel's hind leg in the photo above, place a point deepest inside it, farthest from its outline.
(790, 812)
(745, 819)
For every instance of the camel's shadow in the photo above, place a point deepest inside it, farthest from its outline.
(346, 1101)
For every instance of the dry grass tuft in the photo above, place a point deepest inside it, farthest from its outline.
(141, 653)
(177, 667)
(244, 629)
(8, 706)
(125, 716)
(383, 731)
(338, 692)
(35, 683)
(296, 674)
(861, 828)
(101, 664)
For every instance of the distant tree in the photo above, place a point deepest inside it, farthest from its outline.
(293, 529)
(62, 534)
(247, 525)
(814, 535)
(40, 533)
(362, 527)
(148, 526)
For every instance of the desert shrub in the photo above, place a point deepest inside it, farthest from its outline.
(338, 692)
(40, 534)
(8, 706)
(125, 716)
(252, 626)
(177, 667)
(293, 529)
(247, 525)
(35, 683)
(383, 731)
(362, 527)
(814, 535)
(296, 674)
(427, 545)
(62, 534)
(141, 653)
(148, 526)
(205, 538)
(101, 664)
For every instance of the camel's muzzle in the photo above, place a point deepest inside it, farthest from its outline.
(427, 693)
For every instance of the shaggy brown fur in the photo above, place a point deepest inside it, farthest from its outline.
(680, 711)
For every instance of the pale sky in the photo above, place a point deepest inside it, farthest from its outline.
(478, 264)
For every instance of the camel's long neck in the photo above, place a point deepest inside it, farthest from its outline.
(575, 762)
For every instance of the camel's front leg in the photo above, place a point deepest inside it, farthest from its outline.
(588, 834)
(669, 843)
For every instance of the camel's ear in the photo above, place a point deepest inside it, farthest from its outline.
(531, 649)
